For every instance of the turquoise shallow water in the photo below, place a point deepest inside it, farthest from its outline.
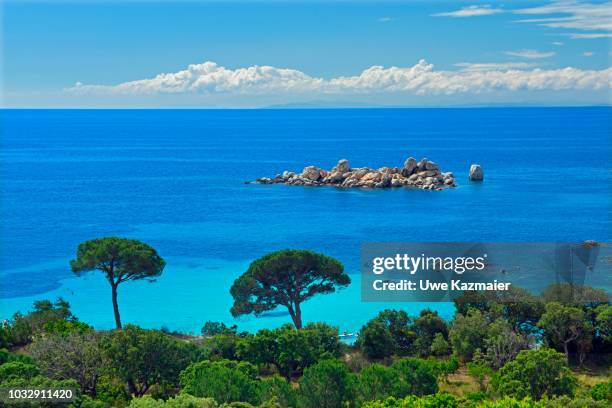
(175, 179)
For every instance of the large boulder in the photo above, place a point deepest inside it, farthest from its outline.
(336, 177)
(372, 176)
(476, 173)
(422, 165)
(409, 166)
(343, 166)
(431, 166)
(311, 173)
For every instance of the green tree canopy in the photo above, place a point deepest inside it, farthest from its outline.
(414, 377)
(429, 401)
(291, 350)
(425, 328)
(286, 278)
(120, 260)
(518, 306)
(440, 346)
(603, 322)
(502, 344)
(327, 384)
(75, 355)
(535, 373)
(224, 381)
(376, 382)
(143, 358)
(468, 333)
(390, 332)
(375, 340)
(576, 295)
(563, 325)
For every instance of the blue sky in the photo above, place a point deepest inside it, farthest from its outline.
(473, 53)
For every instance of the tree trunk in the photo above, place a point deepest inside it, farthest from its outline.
(116, 307)
(565, 348)
(298, 316)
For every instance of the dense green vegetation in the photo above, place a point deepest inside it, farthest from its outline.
(512, 351)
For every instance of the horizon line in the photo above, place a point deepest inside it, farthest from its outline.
(494, 106)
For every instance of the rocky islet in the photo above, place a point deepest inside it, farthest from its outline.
(423, 174)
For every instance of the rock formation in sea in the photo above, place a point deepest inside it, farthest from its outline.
(476, 173)
(423, 174)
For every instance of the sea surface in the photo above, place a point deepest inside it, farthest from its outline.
(175, 179)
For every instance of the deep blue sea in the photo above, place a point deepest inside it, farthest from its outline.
(174, 178)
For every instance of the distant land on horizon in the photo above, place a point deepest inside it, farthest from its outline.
(316, 105)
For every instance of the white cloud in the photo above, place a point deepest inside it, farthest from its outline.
(588, 53)
(557, 43)
(471, 11)
(559, 14)
(494, 66)
(581, 36)
(385, 19)
(530, 54)
(571, 14)
(209, 78)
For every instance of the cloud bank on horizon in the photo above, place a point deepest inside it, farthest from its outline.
(420, 79)
(541, 52)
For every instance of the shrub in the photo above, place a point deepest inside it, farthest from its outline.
(426, 327)
(375, 340)
(327, 384)
(180, 401)
(603, 322)
(602, 392)
(479, 372)
(578, 402)
(225, 381)
(502, 344)
(467, 333)
(535, 373)
(44, 314)
(277, 390)
(112, 391)
(6, 356)
(143, 358)
(508, 402)
(73, 354)
(211, 328)
(439, 346)
(17, 369)
(291, 350)
(222, 346)
(519, 307)
(376, 382)
(430, 401)
(563, 325)
(414, 377)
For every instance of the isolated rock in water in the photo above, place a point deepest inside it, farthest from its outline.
(476, 173)
(424, 174)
